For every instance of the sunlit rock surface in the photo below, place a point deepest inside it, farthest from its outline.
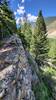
(15, 72)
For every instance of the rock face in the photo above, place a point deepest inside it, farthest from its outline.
(15, 72)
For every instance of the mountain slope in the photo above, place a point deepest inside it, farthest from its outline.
(52, 30)
(50, 20)
(51, 26)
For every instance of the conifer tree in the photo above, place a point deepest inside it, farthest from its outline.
(22, 37)
(26, 30)
(7, 21)
(39, 48)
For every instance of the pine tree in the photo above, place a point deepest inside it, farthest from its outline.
(26, 30)
(28, 34)
(39, 48)
(7, 21)
(22, 37)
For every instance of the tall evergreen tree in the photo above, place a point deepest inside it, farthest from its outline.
(7, 22)
(21, 35)
(26, 30)
(39, 48)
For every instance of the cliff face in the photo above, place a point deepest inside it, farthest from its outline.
(15, 72)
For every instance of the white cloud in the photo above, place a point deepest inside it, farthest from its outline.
(16, 18)
(17, 21)
(23, 1)
(21, 7)
(15, 13)
(31, 18)
(20, 10)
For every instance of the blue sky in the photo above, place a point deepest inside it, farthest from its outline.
(31, 7)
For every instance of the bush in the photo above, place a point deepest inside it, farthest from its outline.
(41, 92)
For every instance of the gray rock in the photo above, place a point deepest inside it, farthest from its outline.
(16, 76)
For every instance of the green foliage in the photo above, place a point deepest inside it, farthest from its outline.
(52, 46)
(49, 78)
(49, 70)
(27, 33)
(22, 37)
(41, 91)
(45, 89)
(7, 22)
(38, 47)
